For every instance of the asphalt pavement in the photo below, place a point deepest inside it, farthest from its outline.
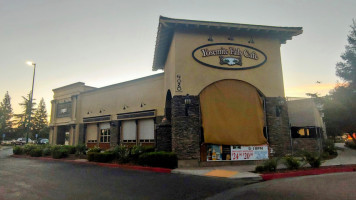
(22, 178)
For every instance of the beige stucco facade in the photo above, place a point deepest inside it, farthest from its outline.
(79, 111)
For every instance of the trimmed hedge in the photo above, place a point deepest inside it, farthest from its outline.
(159, 159)
(28, 148)
(71, 149)
(291, 162)
(101, 157)
(17, 150)
(37, 152)
(58, 153)
(268, 165)
(94, 149)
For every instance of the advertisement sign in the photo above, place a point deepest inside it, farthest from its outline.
(249, 152)
(229, 56)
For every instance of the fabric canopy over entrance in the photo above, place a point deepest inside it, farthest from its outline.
(232, 114)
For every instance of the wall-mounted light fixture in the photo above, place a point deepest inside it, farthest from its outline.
(251, 41)
(89, 112)
(210, 38)
(125, 107)
(112, 124)
(142, 104)
(187, 102)
(101, 110)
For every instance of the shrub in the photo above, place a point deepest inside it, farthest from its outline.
(268, 165)
(329, 146)
(80, 149)
(28, 148)
(350, 144)
(71, 149)
(17, 150)
(46, 151)
(60, 152)
(159, 159)
(136, 151)
(36, 152)
(95, 149)
(291, 162)
(122, 153)
(101, 157)
(313, 159)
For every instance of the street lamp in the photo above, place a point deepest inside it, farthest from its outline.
(29, 114)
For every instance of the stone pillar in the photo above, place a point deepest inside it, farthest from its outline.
(164, 136)
(54, 137)
(278, 127)
(97, 134)
(186, 131)
(114, 133)
(50, 138)
(81, 134)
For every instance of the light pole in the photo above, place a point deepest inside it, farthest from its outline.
(29, 114)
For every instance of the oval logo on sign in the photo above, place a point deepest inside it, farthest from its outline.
(229, 56)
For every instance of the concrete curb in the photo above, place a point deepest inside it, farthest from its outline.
(110, 165)
(328, 170)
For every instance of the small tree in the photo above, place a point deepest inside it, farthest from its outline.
(40, 122)
(6, 114)
(22, 122)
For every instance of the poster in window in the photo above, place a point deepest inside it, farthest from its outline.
(214, 152)
(249, 152)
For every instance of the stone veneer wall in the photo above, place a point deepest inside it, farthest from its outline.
(114, 133)
(186, 130)
(306, 144)
(278, 128)
(81, 139)
(164, 136)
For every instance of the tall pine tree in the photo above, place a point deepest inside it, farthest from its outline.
(23, 118)
(340, 104)
(6, 115)
(40, 121)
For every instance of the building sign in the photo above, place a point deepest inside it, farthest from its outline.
(229, 56)
(249, 152)
(236, 153)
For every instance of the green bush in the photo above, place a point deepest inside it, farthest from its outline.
(329, 146)
(46, 151)
(268, 165)
(17, 150)
(159, 159)
(80, 149)
(350, 144)
(313, 159)
(136, 151)
(291, 162)
(71, 149)
(60, 152)
(36, 152)
(122, 153)
(28, 148)
(95, 149)
(101, 157)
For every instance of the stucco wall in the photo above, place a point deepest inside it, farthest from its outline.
(112, 99)
(268, 78)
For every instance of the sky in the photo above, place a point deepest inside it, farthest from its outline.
(96, 42)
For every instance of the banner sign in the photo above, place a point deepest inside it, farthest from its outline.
(249, 152)
(229, 56)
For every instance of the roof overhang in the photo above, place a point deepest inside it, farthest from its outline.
(167, 26)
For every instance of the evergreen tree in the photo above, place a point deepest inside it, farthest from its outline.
(40, 122)
(340, 104)
(6, 115)
(347, 68)
(23, 118)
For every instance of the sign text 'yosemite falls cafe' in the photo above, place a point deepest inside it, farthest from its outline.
(220, 97)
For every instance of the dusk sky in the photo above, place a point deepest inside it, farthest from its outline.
(109, 41)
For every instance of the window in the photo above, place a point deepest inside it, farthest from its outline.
(129, 131)
(91, 133)
(304, 132)
(64, 109)
(105, 133)
(146, 130)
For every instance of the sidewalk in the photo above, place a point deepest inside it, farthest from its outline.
(345, 158)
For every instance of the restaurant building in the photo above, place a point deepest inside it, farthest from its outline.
(220, 97)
